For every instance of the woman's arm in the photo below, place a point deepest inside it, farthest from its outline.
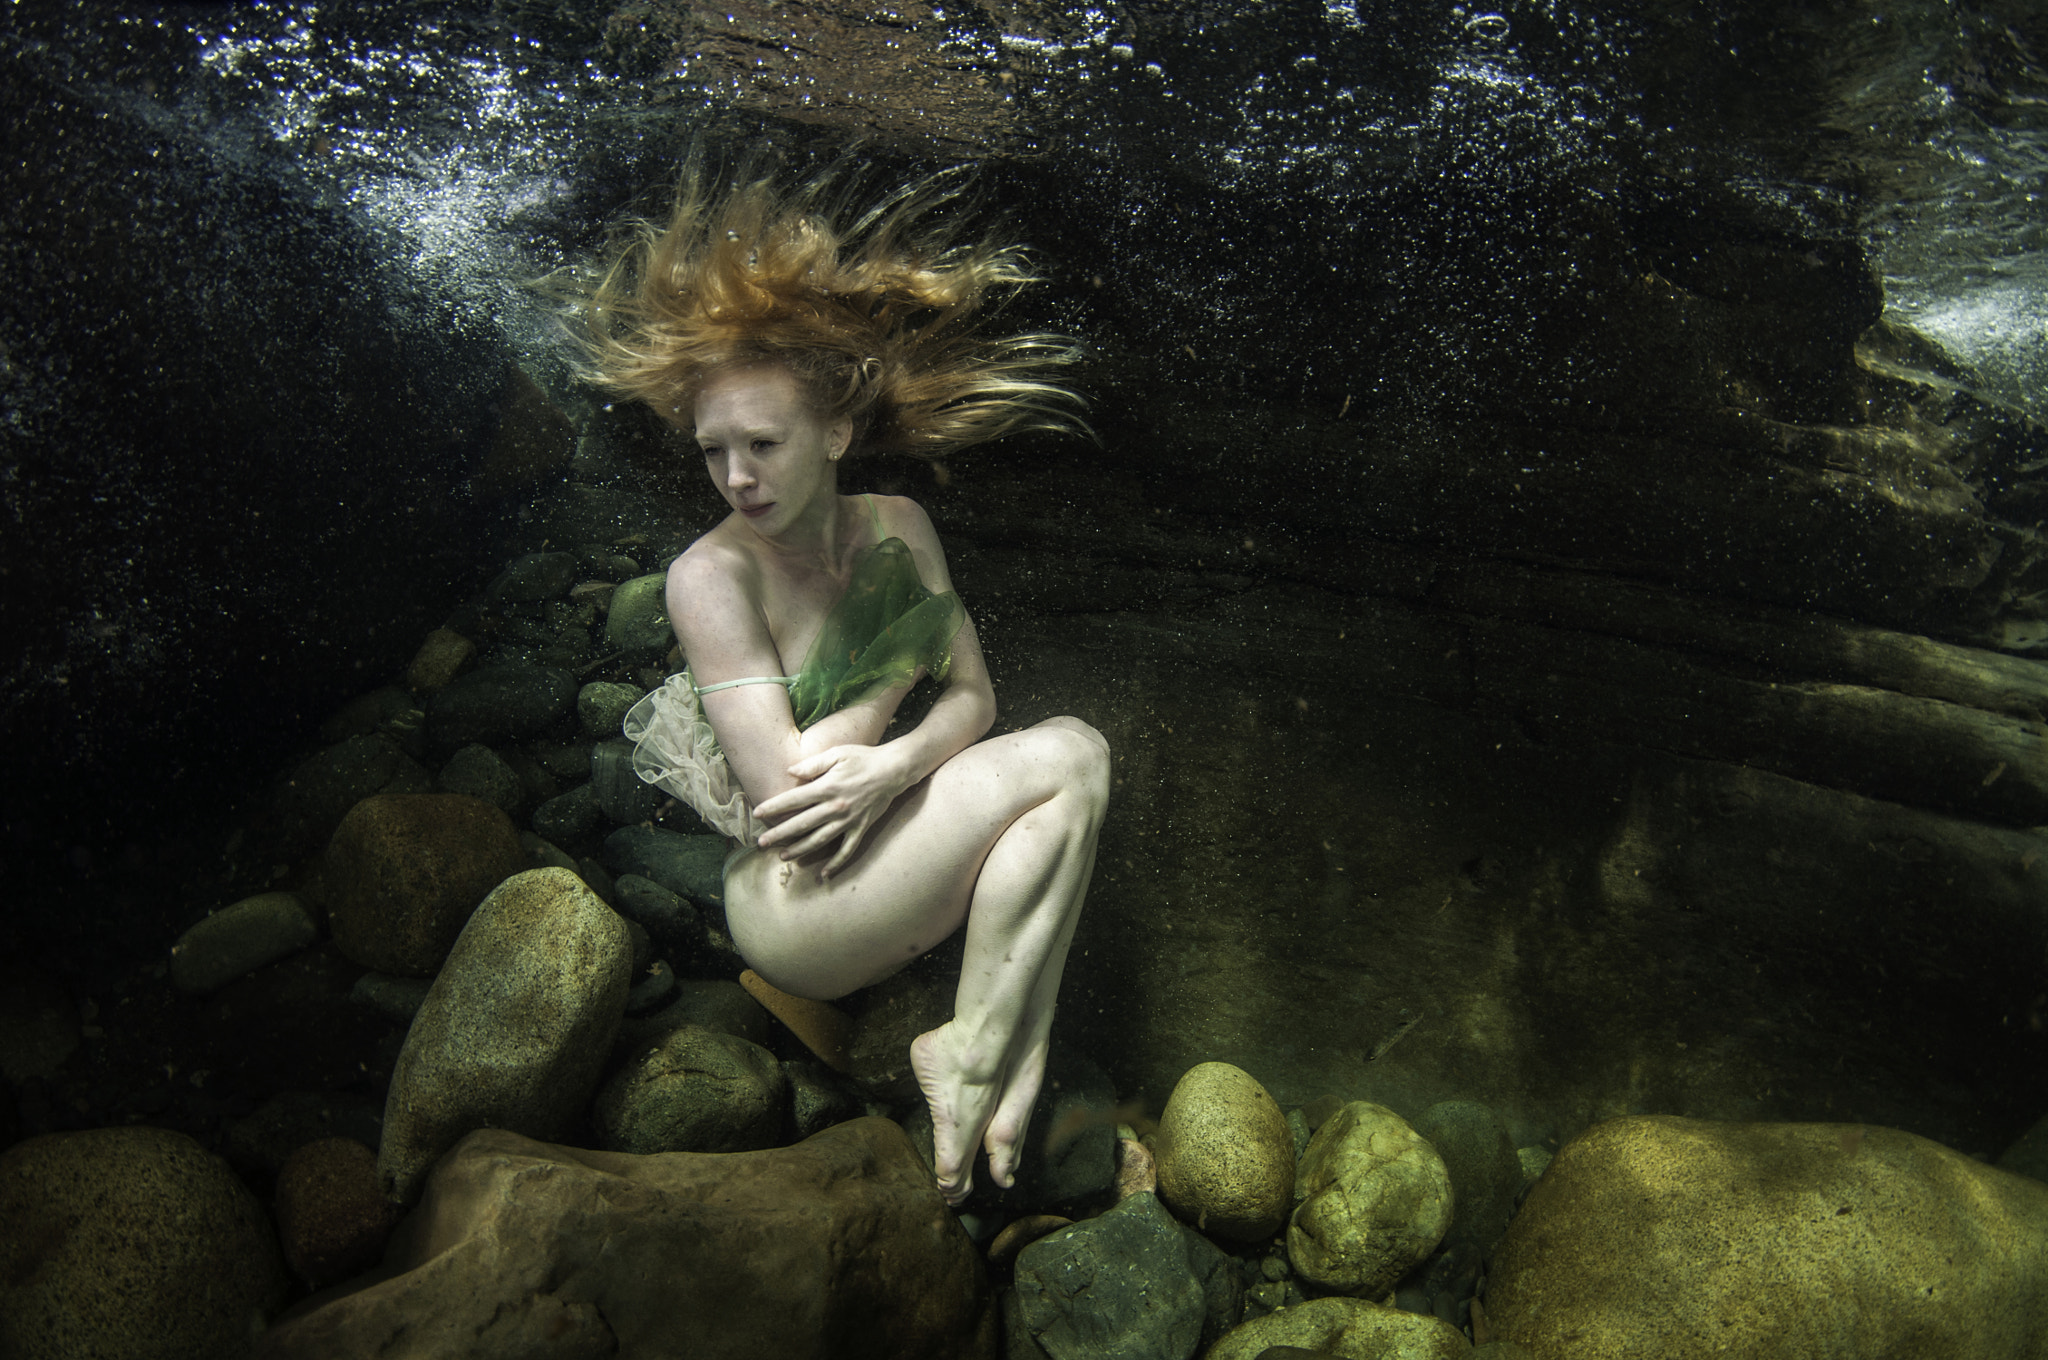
(846, 780)
(832, 781)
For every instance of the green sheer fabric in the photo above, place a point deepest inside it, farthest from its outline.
(883, 630)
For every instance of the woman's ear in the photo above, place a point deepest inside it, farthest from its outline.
(838, 438)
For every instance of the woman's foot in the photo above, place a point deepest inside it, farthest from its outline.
(963, 1095)
(1005, 1137)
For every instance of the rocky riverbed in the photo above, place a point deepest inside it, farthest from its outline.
(490, 959)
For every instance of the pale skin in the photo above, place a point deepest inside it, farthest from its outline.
(879, 850)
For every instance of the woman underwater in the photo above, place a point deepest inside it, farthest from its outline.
(784, 344)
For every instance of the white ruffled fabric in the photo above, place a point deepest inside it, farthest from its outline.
(675, 750)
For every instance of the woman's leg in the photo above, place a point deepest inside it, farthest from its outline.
(1004, 835)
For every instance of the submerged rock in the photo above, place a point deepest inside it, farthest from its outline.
(404, 871)
(1485, 1171)
(332, 1217)
(1130, 1284)
(1375, 1199)
(1226, 1157)
(517, 1026)
(534, 576)
(131, 1242)
(838, 1246)
(441, 657)
(623, 796)
(480, 772)
(1348, 1328)
(638, 621)
(1655, 1235)
(239, 939)
(601, 707)
(319, 792)
(509, 701)
(695, 1090)
(693, 866)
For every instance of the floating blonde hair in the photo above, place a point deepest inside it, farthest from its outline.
(875, 318)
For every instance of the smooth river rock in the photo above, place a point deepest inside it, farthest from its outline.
(239, 939)
(1375, 1199)
(694, 1090)
(404, 871)
(1658, 1236)
(1226, 1157)
(515, 1031)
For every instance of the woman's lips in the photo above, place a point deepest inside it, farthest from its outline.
(756, 511)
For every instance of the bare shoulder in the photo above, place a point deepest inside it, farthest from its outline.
(712, 580)
(904, 518)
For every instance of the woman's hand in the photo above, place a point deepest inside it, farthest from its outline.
(842, 791)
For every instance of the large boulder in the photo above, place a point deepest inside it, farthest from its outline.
(515, 1031)
(1664, 1236)
(839, 1246)
(404, 871)
(1226, 1157)
(1375, 1199)
(131, 1242)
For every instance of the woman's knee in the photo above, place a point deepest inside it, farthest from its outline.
(1082, 754)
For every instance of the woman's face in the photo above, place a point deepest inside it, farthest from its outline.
(768, 453)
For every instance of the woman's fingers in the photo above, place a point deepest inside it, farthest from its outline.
(847, 845)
